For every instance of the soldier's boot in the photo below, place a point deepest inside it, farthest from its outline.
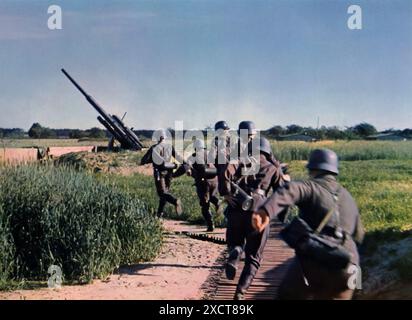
(244, 283)
(232, 262)
(178, 207)
(246, 278)
(207, 215)
(210, 226)
(162, 203)
(209, 222)
(239, 296)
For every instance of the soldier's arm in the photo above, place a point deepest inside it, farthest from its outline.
(147, 158)
(157, 157)
(181, 170)
(277, 180)
(292, 193)
(225, 177)
(177, 156)
(359, 233)
(212, 155)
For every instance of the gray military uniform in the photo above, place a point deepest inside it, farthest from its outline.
(206, 186)
(239, 232)
(220, 156)
(314, 199)
(160, 154)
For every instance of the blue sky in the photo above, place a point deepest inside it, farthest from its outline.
(274, 62)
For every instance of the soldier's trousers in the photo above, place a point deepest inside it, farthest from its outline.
(207, 193)
(240, 234)
(321, 283)
(162, 183)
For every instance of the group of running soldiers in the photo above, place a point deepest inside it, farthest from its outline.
(256, 189)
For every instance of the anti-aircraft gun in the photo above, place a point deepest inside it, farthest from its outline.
(124, 135)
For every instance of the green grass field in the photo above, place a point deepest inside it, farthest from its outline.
(347, 150)
(142, 187)
(381, 188)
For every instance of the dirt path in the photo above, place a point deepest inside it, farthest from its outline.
(179, 272)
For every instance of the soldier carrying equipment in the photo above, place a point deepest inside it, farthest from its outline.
(220, 149)
(205, 176)
(160, 155)
(325, 236)
(240, 234)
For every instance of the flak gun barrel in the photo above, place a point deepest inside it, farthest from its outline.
(88, 97)
(115, 126)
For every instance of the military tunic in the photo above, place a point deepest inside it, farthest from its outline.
(307, 278)
(206, 186)
(160, 155)
(240, 233)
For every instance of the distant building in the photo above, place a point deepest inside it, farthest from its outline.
(387, 137)
(297, 137)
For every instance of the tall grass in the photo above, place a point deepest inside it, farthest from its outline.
(143, 187)
(59, 216)
(6, 248)
(347, 150)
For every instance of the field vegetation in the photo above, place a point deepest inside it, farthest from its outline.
(58, 216)
(347, 150)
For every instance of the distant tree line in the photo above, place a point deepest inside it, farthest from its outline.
(37, 131)
(359, 131)
(14, 133)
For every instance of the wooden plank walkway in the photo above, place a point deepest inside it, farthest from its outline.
(276, 258)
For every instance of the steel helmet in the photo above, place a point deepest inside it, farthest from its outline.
(264, 146)
(199, 144)
(160, 134)
(221, 125)
(249, 126)
(323, 159)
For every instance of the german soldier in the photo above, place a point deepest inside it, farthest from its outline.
(205, 176)
(328, 208)
(240, 235)
(160, 155)
(220, 149)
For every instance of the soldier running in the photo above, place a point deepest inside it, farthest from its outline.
(240, 235)
(160, 155)
(205, 176)
(328, 208)
(220, 149)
